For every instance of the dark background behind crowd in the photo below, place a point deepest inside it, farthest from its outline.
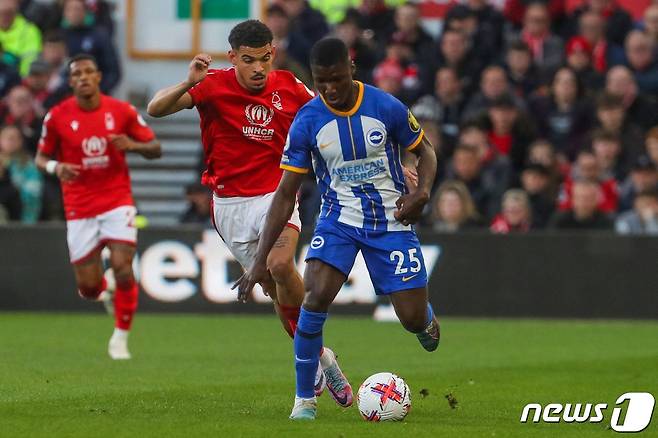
(542, 117)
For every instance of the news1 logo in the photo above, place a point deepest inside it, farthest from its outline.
(637, 416)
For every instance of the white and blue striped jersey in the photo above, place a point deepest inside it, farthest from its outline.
(356, 156)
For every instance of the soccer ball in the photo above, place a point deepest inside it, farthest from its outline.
(384, 397)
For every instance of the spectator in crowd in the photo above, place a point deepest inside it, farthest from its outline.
(493, 84)
(515, 216)
(543, 153)
(644, 176)
(377, 20)
(640, 108)
(509, 132)
(37, 83)
(490, 23)
(616, 20)
(198, 205)
(10, 198)
(466, 167)
(587, 168)
(650, 23)
(606, 147)
(305, 20)
(295, 46)
(521, 70)
(362, 52)
(453, 209)
(45, 15)
(447, 102)
(388, 77)
(585, 213)
(462, 19)
(408, 28)
(535, 181)
(643, 219)
(514, 11)
(496, 168)
(101, 14)
(19, 110)
(23, 173)
(81, 37)
(640, 56)
(400, 54)
(9, 76)
(18, 36)
(651, 145)
(611, 117)
(547, 49)
(604, 52)
(579, 59)
(564, 116)
(453, 52)
(54, 54)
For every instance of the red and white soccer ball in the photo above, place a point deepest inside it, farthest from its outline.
(384, 397)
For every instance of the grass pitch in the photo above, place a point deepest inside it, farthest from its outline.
(198, 376)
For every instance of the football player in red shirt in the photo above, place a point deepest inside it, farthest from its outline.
(246, 111)
(84, 142)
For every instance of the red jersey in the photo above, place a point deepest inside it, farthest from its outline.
(76, 136)
(244, 133)
(609, 195)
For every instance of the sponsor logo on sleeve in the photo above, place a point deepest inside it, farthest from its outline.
(413, 123)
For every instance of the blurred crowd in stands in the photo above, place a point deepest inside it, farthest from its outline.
(36, 39)
(542, 117)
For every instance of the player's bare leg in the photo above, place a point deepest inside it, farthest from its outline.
(289, 288)
(89, 276)
(125, 298)
(416, 315)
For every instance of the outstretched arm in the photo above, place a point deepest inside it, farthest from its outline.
(278, 215)
(410, 206)
(172, 99)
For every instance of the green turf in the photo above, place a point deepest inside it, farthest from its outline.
(198, 376)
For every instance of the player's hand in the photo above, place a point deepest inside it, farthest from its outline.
(67, 171)
(258, 273)
(121, 142)
(410, 207)
(410, 178)
(198, 68)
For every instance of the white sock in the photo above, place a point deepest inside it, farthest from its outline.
(120, 334)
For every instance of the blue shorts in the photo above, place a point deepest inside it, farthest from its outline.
(394, 259)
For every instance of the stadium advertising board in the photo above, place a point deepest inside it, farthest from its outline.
(190, 270)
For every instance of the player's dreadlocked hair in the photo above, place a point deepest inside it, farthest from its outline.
(250, 33)
(328, 52)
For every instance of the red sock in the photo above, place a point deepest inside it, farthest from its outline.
(125, 304)
(92, 293)
(292, 315)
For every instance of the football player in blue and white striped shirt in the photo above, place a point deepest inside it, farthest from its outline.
(354, 136)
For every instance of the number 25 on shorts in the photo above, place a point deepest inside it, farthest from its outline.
(399, 258)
